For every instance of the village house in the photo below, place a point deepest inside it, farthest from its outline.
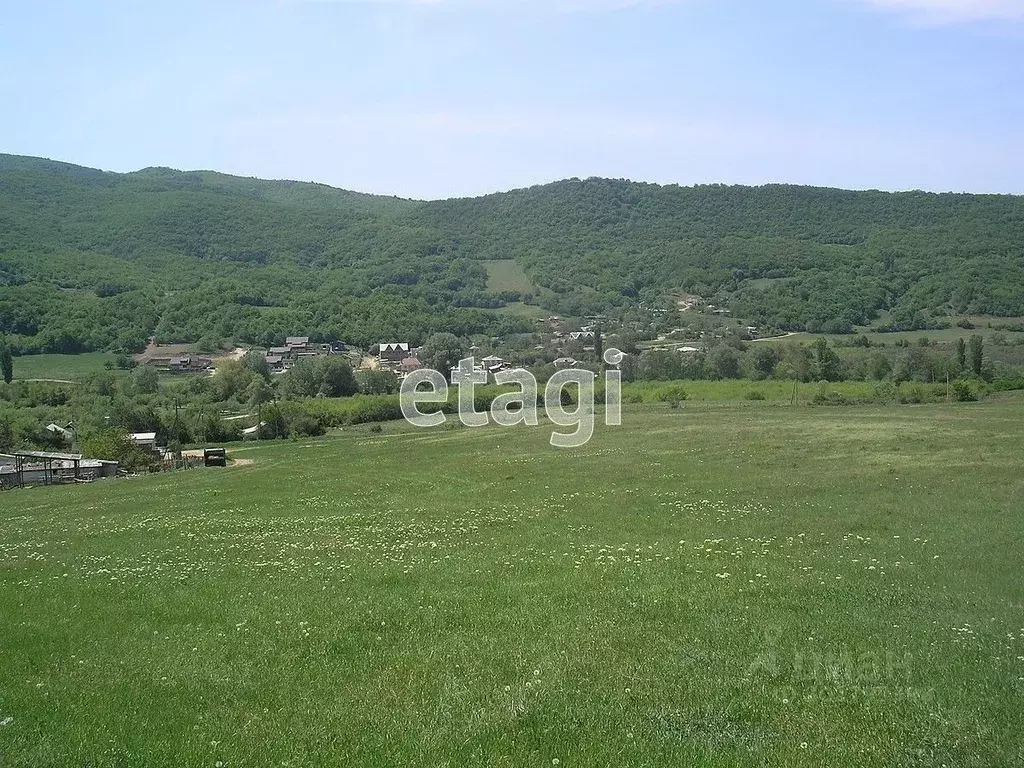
(146, 441)
(408, 365)
(393, 352)
(182, 363)
(298, 348)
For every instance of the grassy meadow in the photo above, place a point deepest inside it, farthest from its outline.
(507, 275)
(61, 367)
(741, 585)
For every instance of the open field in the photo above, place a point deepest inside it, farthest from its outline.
(746, 586)
(507, 275)
(60, 366)
(529, 311)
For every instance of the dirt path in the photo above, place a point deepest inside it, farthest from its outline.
(776, 338)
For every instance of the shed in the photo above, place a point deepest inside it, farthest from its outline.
(41, 467)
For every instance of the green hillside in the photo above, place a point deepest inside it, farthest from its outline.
(91, 260)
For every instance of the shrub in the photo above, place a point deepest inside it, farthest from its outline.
(913, 395)
(826, 397)
(753, 394)
(963, 392)
(672, 393)
(1007, 385)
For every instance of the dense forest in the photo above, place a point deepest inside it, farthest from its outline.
(91, 260)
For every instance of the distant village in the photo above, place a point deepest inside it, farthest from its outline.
(558, 344)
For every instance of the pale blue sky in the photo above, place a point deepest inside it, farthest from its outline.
(438, 98)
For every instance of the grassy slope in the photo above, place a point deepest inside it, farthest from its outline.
(344, 599)
(507, 275)
(60, 366)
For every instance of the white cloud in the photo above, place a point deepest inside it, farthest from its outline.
(952, 11)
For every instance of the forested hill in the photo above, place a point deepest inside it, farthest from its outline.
(94, 260)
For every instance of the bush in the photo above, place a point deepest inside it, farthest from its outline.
(674, 393)
(753, 394)
(304, 425)
(114, 445)
(963, 392)
(827, 397)
(1007, 385)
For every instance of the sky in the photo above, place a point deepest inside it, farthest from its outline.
(444, 98)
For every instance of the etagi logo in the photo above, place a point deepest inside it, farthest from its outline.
(520, 407)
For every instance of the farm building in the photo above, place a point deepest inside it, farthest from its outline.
(66, 434)
(182, 363)
(23, 468)
(493, 364)
(145, 441)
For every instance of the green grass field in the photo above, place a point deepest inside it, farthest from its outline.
(517, 308)
(714, 586)
(507, 275)
(60, 366)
